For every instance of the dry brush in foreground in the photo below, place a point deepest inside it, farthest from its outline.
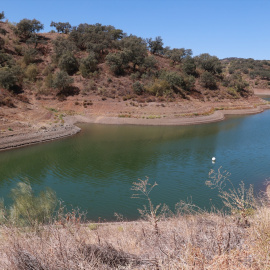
(186, 240)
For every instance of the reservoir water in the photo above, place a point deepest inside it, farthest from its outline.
(95, 169)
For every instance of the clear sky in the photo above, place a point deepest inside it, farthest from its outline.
(225, 28)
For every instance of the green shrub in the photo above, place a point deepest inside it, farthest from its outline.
(174, 79)
(208, 80)
(28, 209)
(159, 88)
(62, 80)
(31, 72)
(49, 80)
(8, 78)
(88, 65)
(68, 63)
(232, 91)
(189, 65)
(29, 56)
(138, 88)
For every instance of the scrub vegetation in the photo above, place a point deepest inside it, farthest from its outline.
(64, 63)
(37, 233)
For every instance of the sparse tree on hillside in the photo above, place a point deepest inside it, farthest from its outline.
(209, 63)
(189, 66)
(62, 46)
(117, 62)
(68, 63)
(2, 15)
(177, 55)
(135, 49)
(155, 46)
(88, 64)
(149, 63)
(62, 81)
(26, 28)
(8, 78)
(61, 27)
(208, 80)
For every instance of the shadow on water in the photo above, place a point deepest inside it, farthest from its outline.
(95, 169)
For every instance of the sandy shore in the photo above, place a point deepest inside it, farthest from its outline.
(69, 128)
(44, 135)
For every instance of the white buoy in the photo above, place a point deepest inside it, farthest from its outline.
(213, 159)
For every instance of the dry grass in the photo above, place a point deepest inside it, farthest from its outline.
(201, 241)
(190, 239)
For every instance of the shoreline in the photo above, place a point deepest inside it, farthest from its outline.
(69, 128)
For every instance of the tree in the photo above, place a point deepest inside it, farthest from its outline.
(62, 81)
(8, 78)
(189, 65)
(2, 15)
(173, 78)
(62, 46)
(135, 50)
(236, 81)
(26, 28)
(149, 63)
(61, 27)
(209, 63)
(138, 88)
(117, 62)
(208, 80)
(68, 63)
(177, 55)
(155, 46)
(88, 65)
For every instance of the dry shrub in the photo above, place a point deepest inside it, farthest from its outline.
(190, 239)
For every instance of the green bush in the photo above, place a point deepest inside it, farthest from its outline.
(138, 88)
(68, 63)
(8, 78)
(31, 72)
(62, 46)
(159, 88)
(28, 209)
(189, 65)
(88, 65)
(117, 62)
(62, 80)
(174, 79)
(208, 80)
(29, 56)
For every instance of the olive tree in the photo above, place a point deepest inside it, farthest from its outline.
(208, 80)
(177, 55)
(68, 63)
(62, 80)
(26, 28)
(2, 15)
(61, 27)
(209, 63)
(155, 46)
(88, 65)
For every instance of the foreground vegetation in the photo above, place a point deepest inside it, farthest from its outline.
(33, 236)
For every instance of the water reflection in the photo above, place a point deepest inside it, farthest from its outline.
(95, 169)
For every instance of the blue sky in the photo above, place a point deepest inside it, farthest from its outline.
(225, 28)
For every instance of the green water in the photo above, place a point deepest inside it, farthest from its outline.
(95, 169)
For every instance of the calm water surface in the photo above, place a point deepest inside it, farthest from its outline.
(95, 169)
